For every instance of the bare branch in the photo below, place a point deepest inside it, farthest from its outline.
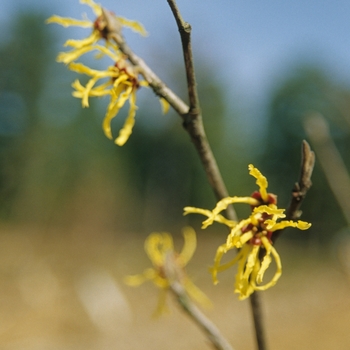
(301, 188)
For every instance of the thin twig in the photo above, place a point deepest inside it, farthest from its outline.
(301, 187)
(255, 304)
(330, 159)
(219, 342)
(185, 34)
(192, 119)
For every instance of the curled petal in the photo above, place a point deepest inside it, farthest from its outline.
(219, 218)
(70, 56)
(86, 93)
(156, 245)
(118, 99)
(224, 203)
(274, 226)
(248, 288)
(269, 250)
(143, 83)
(110, 51)
(81, 68)
(165, 105)
(121, 83)
(134, 25)
(98, 91)
(251, 260)
(160, 282)
(219, 254)
(236, 232)
(77, 86)
(303, 225)
(266, 260)
(189, 246)
(271, 210)
(243, 239)
(264, 266)
(162, 307)
(136, 280)
(261, 181)
(90, 40)
(67, 22)
(126, 131)
(242, 282)
(81, 49)
(219, 268)
(196, 294)
(99, 74)
(95, 7)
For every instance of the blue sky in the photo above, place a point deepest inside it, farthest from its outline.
(249, 43)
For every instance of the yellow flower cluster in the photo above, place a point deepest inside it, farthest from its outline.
(251, 236)
(121, 78)
(168, 266)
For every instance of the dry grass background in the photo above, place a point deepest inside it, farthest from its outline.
(64, 291)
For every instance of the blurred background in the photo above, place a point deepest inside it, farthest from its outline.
(75, 208)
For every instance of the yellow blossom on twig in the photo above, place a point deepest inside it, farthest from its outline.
(252, 236)
(121, 85)
(98, 27)
(168, 266)
(121, 78)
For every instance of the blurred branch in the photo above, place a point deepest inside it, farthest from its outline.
(301, 188)
(199, 318)
(331, 161)
(192, 119)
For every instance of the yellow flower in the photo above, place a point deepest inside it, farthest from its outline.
(251, 236)
(122, 80)
(168, 266)
(98, 27)
(121, 85)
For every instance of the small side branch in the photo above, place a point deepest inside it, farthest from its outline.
(303, 185)
(214, 335)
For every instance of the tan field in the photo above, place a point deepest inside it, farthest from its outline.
(64, 291)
